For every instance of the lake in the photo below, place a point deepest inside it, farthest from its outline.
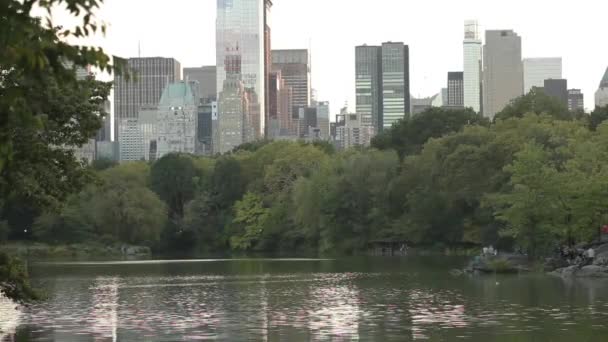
(367, 299)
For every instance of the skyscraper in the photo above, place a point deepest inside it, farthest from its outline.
(280, 107)
(472, 66)
(368, 83)
(455, 89)
(177, 118)
(537, 70)
(206, 77)
(150, 77)
(558, 89)
(502, 72)
(294, 66)
(576, 100)
(323, 119)
(395, 83)
(601, 95)
(234, 107)
(242, 30)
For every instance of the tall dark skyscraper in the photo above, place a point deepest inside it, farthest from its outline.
(151, 76)
(502, 70)
(455, 89)
(382, 84)
(557, 88)
(395, 83)
(294, 66)
(368, 83)
(205, 76)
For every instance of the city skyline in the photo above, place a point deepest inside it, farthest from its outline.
(435, 39)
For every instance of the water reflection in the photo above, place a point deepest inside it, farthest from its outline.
(372, 299)
(10, 316)
(104, 313)
(334, 311)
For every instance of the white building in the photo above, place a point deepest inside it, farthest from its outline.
(472, 65)
(352, 132)
(537, 70)
(130, 139)
(177, 119)
(601, 95)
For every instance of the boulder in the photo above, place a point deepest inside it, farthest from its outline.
(566, 272)
(593, 271)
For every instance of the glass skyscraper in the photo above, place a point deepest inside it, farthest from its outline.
(241, 33)
(368, 84)
(472, 66)
(395, 83)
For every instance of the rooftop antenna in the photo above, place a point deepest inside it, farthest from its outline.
(139, 48)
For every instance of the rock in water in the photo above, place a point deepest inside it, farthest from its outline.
(593, 271)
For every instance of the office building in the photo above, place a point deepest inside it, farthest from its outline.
(558, 89)
(395, 83)
(472, 66)
(601, 95)
(106, 150)
(242, 37)
(368, 83)
(576, 100)
(537, 70)
(131, 140)
(455, 89)
(351, 131)
(204, 128)
(177, 119)
(233, 108)
(423, 104)
(147, 122)
(502, 70)
(206, 78)
(280, 107)
(323, 119)
(294, 66)
(149, 78)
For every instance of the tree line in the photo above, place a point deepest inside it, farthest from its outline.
(535, 177)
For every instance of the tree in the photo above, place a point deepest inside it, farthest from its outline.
(103, 164)
(249, 221)
(44, 108)
(537, 102)
(409, 135)
(533, 208)
(599, 115)
(174, 179)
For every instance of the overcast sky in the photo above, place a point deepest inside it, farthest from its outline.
(433, 29)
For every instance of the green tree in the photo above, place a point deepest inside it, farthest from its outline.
(174, 179)
(531, 208)
(249, 221)
(537, 102)
(44, 108)
(599, 115)
(408, 136)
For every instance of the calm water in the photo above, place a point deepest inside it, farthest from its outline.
(381, 299)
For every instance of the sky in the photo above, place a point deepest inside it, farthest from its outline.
(433, 29)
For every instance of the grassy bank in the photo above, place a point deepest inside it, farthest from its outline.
(76, 251)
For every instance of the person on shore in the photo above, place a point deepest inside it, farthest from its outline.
(590, 255)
